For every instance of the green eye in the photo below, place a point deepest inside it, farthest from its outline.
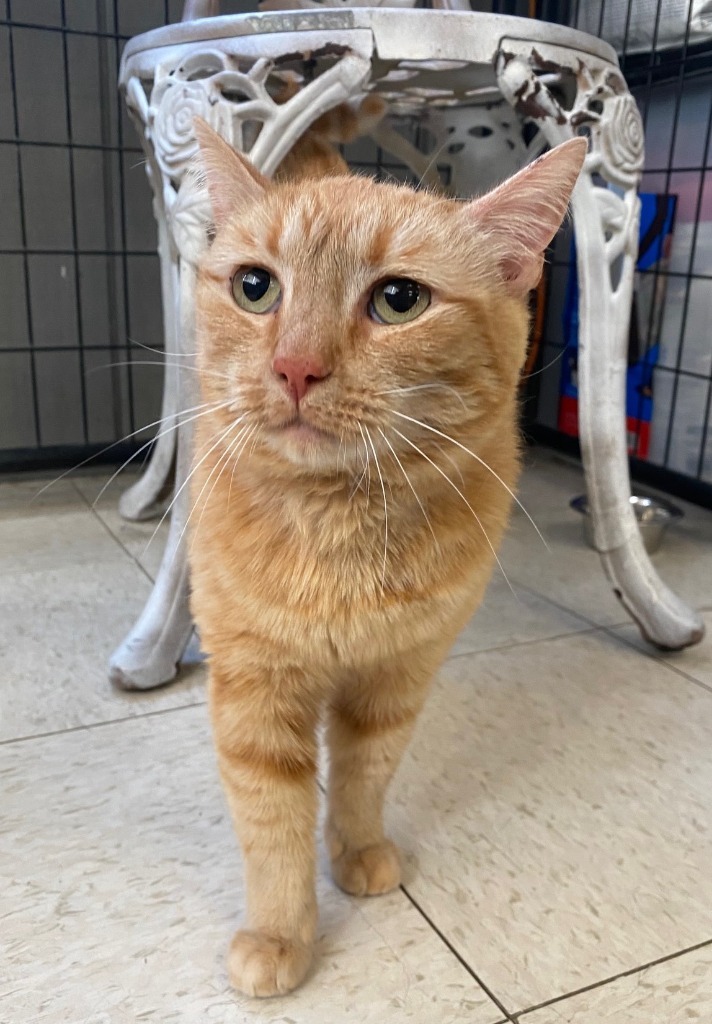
(398, 300)
(255, 290)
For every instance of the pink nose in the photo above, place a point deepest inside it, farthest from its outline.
(299, 373)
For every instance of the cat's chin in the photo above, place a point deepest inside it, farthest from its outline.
(304, 434)
(303, 444)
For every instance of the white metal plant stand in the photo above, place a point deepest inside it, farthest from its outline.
(475, 80)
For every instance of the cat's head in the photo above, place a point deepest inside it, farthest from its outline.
(333, 313)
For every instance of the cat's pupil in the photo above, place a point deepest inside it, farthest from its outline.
(255, 283)
(401, 294)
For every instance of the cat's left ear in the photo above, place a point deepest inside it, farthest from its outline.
(523, 214)
(233, 182)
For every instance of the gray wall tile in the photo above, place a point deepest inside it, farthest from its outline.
(101, 288)
(14, 331)
(39, 74)
(85, 89)
(7, 121)
(17, 428)
(59, 388)
(96, 173)
(10, 230)
(53, 300)
(106, 391)
(144, 287)
(37, 12)
(45, 178)
(137, 16)
(147, 391)
(82, 15)
(140, 223)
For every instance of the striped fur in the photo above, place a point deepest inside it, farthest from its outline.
(309, 603)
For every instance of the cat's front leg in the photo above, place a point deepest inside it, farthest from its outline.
(370, 724)
(264, 722)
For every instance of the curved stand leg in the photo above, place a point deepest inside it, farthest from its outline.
(141, 501)
(606, 224)
(150, 654)
(603, 360)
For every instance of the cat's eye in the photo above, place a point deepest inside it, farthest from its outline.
(256, 290)
(398, 300)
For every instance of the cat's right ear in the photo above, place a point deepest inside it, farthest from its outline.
(231, 179)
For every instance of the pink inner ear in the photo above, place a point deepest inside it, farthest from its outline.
(233, 182)
(523, 274)
(522, 215)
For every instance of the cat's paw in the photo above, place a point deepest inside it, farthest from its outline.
(368, 872)
(264, 965)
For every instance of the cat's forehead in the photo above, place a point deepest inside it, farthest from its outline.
(350, 219)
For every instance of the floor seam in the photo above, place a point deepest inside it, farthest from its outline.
(444, 939)
(114, 537)
(523, 643)
(659, 660)
(569, 611)
(613, 978)
(99, 725)
(610, 630)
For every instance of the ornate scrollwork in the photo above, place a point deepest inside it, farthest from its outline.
(247, 105)
(602, 107)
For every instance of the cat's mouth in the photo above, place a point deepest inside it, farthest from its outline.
(303, 432)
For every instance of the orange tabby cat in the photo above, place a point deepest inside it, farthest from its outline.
(362, 344)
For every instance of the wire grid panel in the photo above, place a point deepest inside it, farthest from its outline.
(666, 56)
(79, 276)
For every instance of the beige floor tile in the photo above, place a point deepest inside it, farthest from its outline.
(146, 540)
(121, 887)
(29, 497)
(556, 808)
(570, 573)
(49, 530)
(514, 616)
(678, 991)
(58, 628)
(693, 661)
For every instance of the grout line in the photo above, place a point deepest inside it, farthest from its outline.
(523, 643)
(458, 956)
(111, 533)
(569, 611)
(100, 725)
(610, 630)
(614, 977)
(657, 657)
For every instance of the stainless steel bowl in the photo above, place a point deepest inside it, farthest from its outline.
(654, 515)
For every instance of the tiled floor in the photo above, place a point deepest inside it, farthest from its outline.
(555, 808)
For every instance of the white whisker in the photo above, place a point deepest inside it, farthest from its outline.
(157, 362)
(452, 462)
(163, 351)
(408, 480)
(482, 462)
(385, 509)
(458, 491)
(113, 444)
(232, 475)
(543, 369)
(432, 160)
(206, 412)
(217, 472)
(426, 387)
(368, 466)
(187, 481)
